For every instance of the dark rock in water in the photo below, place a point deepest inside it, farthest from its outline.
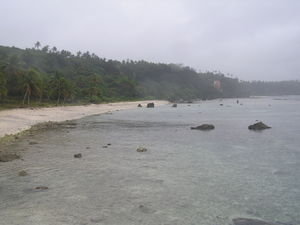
(108, 144)
(247, 221)
(22, 173)
(104, 146)
(139, 105)
(145, 209)
(33, 143)
(204, 127)
(141, 149)
(79, 155)
(88, 147)
(41, 188)
(150, 105)
(221, 104)
(174, 105)
(8, 157)
(258, 126)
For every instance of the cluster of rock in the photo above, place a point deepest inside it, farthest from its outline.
(255, 127)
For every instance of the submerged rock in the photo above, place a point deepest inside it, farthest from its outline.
(174, 105)
(248, 221)
(258, 126)
(79, 155)
(22, 173)
(150, 105)
(41, 188)
(204, 127)
(8, 157)
(141, 149)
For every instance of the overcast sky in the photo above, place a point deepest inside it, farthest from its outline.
(250, 39)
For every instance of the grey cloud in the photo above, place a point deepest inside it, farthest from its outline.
(250, 39)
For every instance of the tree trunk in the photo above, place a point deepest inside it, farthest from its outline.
(25, 97)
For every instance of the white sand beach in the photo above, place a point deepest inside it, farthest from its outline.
(17, 120)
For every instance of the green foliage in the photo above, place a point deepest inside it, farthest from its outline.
(45, 75)
(3, 89)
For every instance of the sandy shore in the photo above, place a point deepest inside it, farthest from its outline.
(17, 120)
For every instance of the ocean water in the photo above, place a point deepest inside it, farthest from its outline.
(186, 176)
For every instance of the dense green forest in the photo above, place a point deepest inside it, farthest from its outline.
(47, 75)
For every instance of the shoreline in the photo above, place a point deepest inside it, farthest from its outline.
(15, 121)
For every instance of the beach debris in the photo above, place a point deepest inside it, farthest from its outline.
(141, 149)
(258, 126)
(174, 105)
(139, 105)
(8, 157)
(41, 188)
(150, 105)
(22, 173)
(248, 221)
(204, 127)
(78, 156)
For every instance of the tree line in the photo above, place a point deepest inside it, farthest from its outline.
(45, 74)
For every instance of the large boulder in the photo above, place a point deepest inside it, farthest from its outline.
(248, 221)
(204, 127)
(150, 105)
(258, 126)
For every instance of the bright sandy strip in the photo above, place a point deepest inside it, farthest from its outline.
(17, 120)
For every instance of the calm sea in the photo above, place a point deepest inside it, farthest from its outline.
(186, 176)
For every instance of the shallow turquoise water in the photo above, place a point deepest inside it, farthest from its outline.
(185, 177)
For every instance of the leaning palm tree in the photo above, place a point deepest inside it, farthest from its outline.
(31, 84)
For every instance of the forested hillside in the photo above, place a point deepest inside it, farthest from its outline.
(44, 74)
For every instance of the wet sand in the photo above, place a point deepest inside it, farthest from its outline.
(18, 120)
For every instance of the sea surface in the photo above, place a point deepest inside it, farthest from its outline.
(186, 177)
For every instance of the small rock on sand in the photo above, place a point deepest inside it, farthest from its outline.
(139, 105)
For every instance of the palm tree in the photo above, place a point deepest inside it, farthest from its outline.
(31, 84)
(37, 45)
(61, 88)
(3, 89)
